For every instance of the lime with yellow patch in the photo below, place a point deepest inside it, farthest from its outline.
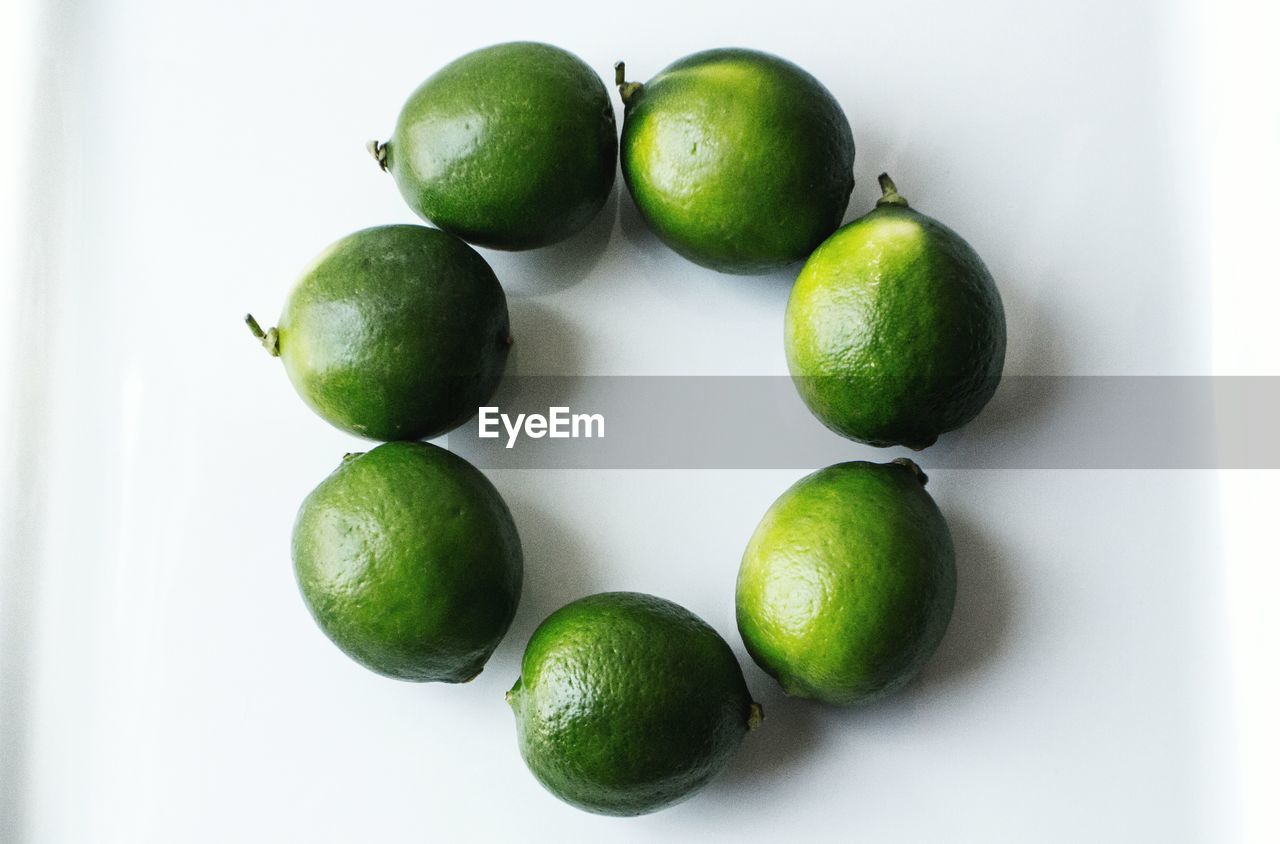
(739, 160)
(895, 331)
(848, 583)
(409, 561)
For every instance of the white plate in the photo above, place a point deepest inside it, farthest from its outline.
(162, 680)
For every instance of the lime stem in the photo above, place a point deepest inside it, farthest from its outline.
(889, 193)
(254, 327)
(626, 90)
(915, 469)
(379, 152)
(270, 338)
(756, 716)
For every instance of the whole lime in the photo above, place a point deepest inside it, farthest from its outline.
(513, 146)
(739, 160)
(848, 583)
(394, 333)
(895, 332)
(408, 560)
(628, 703)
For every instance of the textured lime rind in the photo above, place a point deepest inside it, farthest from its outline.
(513, 146)
(409, 561)
(848, 583)
(739, 160)
(895, 332)
(396, 333)
(628, 703)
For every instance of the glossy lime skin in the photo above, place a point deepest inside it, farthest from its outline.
(396, 333)
(895, 332)
(739, 160)
(513, 146)
(409, 561)
(848, 583)
(628, 703)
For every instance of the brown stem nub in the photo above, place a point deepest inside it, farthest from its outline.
(270, 339)
(889, 193)
(915, 469)
(626, 90)
(379, 152)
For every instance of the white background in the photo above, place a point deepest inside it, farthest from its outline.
(1109, 672)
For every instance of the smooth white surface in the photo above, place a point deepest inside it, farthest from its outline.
(169, 683)
(1245, 117)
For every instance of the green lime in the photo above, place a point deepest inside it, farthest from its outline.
(409, 561)
(394, 333)
(513, 146)
(739, 160)
(895, 331)
(848, 583)
(628, 703)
